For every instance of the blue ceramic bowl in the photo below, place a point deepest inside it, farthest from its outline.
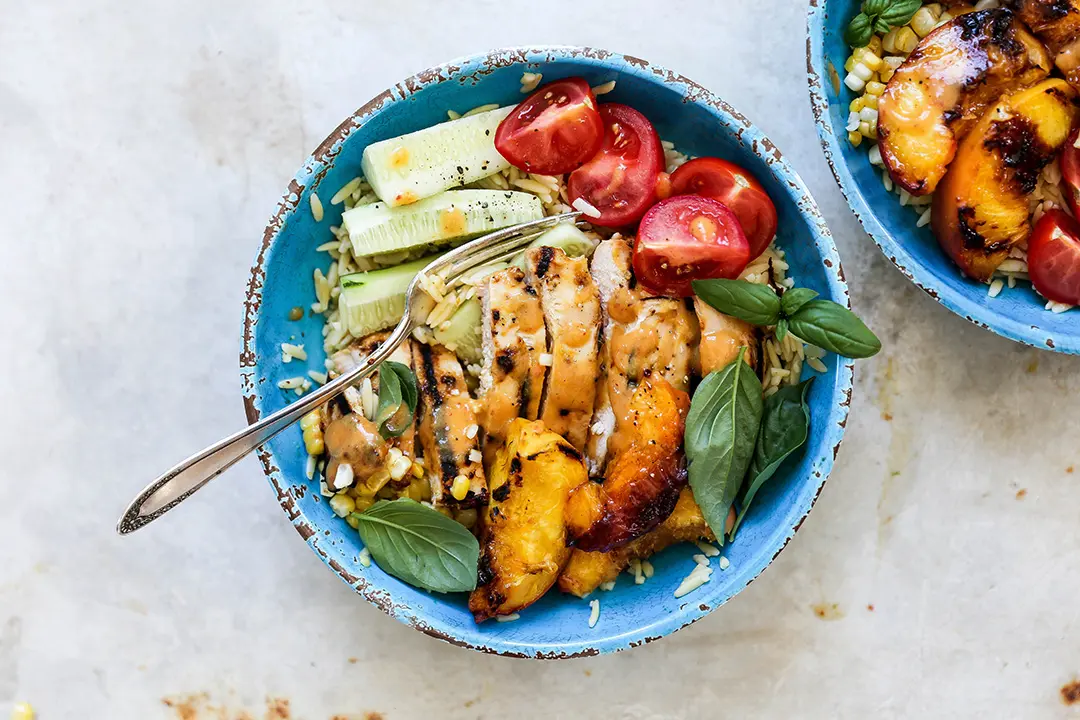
(557, 626)
(1018, 313)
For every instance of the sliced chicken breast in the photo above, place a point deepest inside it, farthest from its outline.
(571, 308)
(642, 334)
(514, 338)
(721, 338)
(447, 428)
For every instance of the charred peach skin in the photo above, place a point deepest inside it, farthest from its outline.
(1056, 23)
(523, 542)
(981, 208)
(944, 86)
(642, 483)
(586, 571)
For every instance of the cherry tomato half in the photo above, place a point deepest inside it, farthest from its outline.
(555, 130)
(1054, 257)
(688, 238)
(1070, 170)
(727, 182)
(620, 180)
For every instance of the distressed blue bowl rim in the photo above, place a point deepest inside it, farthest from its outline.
(316, 166)
(983, 316)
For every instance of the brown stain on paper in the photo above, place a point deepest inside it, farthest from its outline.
(827, 611)
(1070, 693)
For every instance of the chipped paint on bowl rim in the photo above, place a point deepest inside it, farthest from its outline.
(1018, 314)
(427, 612)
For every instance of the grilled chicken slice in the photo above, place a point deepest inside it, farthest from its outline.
(586, 571)
(945, 85)
(643, 335)
(982, 207)
(514, 338)
(642, 482)
(721, 338)
(1056, 23)
(571, 308)
(446, 420)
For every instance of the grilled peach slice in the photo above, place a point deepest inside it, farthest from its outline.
(586, 571)
(1056, 23)
(642, 483)
(523, 544)
(944, 86)
(981, 207)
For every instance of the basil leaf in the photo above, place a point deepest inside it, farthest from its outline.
(781, 329)
(397, 399)
(859, 31)
(900, 12)
(873, 8)
(795, 298)
(835, 328)
(785, 425)
(721, 430)
(420, 545)
(880, 26)
(751, 302)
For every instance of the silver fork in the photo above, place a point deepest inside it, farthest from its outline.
(183, 480)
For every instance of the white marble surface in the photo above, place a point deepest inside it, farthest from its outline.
(142, 148)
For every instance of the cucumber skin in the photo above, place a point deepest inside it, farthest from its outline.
(375, 300)
(443, 156)
(464, 332)
(377, 229)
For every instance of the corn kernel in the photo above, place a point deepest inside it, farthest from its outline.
(466, 517)
(850, 64)
(934, 8)
(400, 466)
(906, 40)
(342, 504)
(460, 489)
(855, 138)
(874, 88)
(313, 441)
(944, 18)
(888, 42)
(875, 45)
(417, 469)
(22, 711)
(923, 22)
(886, 74)
(857, 104)
(868, 129)
(871, 61)
(363, 502)
(312, 418)
(352, 521)
(871, 102)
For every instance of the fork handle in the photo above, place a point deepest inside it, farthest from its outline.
(183, 480)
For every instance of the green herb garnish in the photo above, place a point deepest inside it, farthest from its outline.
(420, 545)
(879, 16)
(785, 426)
(721, 431)
(397, 399)
(823, 323)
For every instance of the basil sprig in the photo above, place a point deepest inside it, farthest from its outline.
(397, 399)
(721, 431)
(835, 328)
(754, 303)
(785, 426)
(879, 16)
(420, 545)
(819, 322)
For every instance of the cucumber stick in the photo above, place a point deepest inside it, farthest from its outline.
(375, 300)
(565, 236)
(462, 332)
(412, 167)
(451, 216)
